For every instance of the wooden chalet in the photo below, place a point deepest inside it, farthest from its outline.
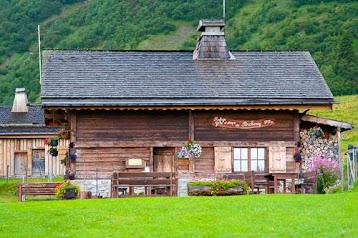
(22, 134)
(133, 110)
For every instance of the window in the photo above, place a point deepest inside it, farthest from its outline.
(247, 159)
(38, 162)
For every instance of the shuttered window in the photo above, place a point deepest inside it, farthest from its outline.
(247, 159)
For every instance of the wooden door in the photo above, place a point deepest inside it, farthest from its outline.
(163, 160)
(38, 162)
(20, 163)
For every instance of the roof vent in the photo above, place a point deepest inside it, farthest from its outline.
(20, 101)
(212, 43)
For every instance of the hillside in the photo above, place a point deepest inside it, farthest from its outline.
(346, 110)
(328, 29)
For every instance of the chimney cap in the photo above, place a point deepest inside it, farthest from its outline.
(211, 23)
(20, 90)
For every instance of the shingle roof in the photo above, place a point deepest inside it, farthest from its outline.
(35, 115)
(28, 130)
(121, 78)
(24, 123)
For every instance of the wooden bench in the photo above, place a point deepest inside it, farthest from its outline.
(35, 189)
(155, 183)
(257, 181)
(308, 183)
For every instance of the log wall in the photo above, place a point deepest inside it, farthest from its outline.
(101, 162)
(282, 130)
(206, 163)
(132, 126)
(106, 139)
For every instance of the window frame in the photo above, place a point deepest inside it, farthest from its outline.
(260, 160)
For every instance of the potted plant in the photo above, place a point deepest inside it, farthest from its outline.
(65, 160)
(64, 132)
(53, 141)
(297, 156)
(189, 150)
(316, 132)
(67, 190)
(53, 151)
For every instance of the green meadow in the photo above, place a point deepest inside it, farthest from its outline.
(271, 215)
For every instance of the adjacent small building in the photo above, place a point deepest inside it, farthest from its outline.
(22, 133)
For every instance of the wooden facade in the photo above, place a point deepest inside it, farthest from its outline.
(29, 157)
(106, 140)
(23, 152)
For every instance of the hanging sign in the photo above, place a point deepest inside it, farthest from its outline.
(241, 124)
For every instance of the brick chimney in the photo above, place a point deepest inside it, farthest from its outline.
(211, 43)
(20, 101)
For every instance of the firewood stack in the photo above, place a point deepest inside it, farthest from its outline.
(311, 146)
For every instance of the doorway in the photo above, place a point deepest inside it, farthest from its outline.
(163, 160)
(20, 164)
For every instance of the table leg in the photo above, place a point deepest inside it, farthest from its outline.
(293, 185)
(275, 184)
(268, 185)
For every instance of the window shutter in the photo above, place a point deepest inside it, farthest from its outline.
(223, 160)
(277, 155)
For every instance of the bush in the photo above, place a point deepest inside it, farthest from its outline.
(217, 185)
(62, 188)
(328, 172)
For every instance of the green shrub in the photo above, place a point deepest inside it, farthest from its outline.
(61, 189)
(328, 172)
(217, 185)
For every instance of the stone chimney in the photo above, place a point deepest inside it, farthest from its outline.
(20, 101)
(212, 44)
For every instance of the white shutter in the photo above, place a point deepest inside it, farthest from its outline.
(277, 155)
(223, 160)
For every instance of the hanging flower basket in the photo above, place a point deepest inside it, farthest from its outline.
(297, 157)
(189, 150)
(316, 132)
(53, 151)
(53, 141)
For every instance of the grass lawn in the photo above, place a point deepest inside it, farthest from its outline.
(280, 215)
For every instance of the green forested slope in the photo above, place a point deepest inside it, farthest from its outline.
(328, 29)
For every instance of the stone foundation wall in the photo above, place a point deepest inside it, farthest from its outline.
(100, 187)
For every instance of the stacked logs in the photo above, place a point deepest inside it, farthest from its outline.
(312, 146)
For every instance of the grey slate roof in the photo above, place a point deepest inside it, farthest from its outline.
(35, 115)
(24, 123)
(28, 130)
(122, 78)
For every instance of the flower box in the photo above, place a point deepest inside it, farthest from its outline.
(207, 191)
(217, 188)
